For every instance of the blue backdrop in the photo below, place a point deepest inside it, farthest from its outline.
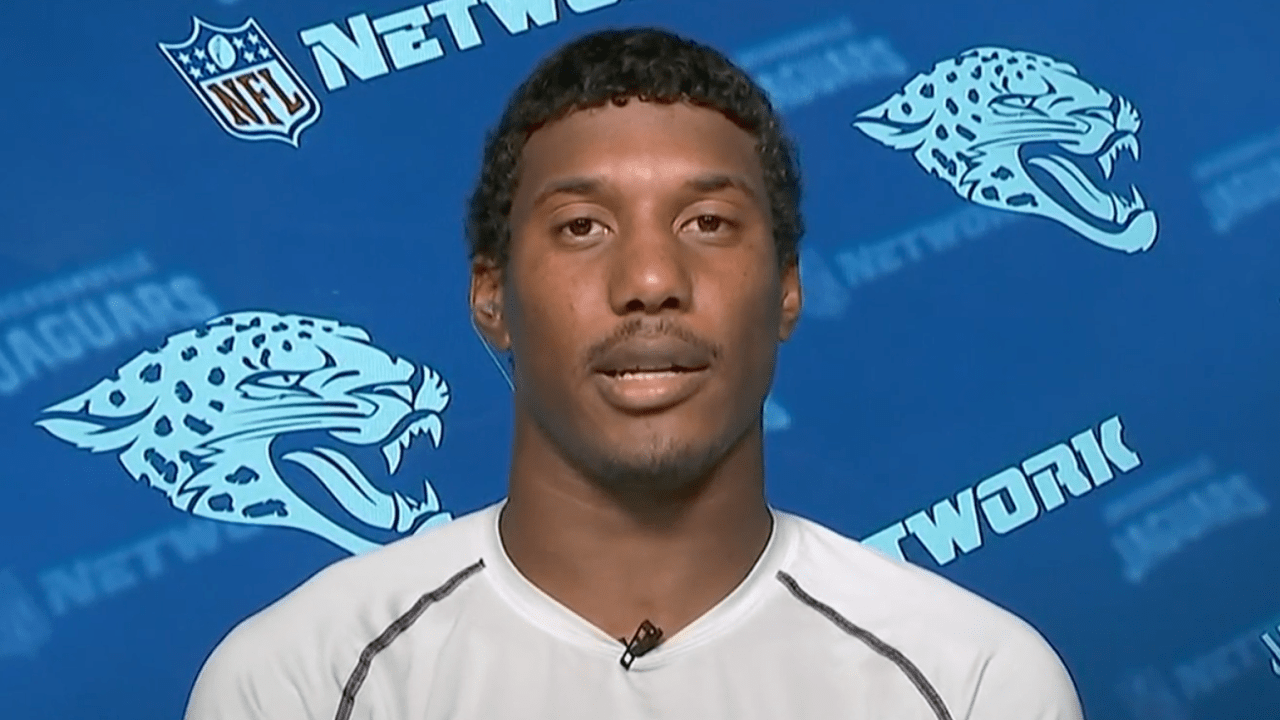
(1012, 368)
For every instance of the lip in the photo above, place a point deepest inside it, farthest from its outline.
(649, 394)
(653, 353)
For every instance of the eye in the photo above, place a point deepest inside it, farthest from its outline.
(399, 391)
(1015, 103)
(274, 384)
(1098, 114)
(277, 380)
(577, 227)
(709, 223)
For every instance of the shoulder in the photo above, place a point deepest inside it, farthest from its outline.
(984, 661)
(293, 658)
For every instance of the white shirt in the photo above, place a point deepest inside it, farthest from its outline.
(442, 625)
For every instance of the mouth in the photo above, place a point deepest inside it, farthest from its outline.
(349, 472)
(1082, 190)
(649, 373)
(648, 390)
(652, 372)
(341, 472)
(427, 424)
(342, 460)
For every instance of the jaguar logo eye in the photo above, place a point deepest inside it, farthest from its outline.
(277, 380)
(1016, 103)
(273, 384)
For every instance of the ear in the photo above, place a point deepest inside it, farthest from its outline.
(792, 299)
(487, 302)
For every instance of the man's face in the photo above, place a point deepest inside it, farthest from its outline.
(642, 241)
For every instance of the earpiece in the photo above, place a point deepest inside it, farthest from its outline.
(492, 308)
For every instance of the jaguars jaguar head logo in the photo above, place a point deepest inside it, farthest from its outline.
(1018, 131)
(215, 416)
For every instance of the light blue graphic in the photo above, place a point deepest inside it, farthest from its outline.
(197, 420)
(1150, 696)
(776, 417)
(244, 82)
(1018, 131)
(1274, 648)
(24, 626)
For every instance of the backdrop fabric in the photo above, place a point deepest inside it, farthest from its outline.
(1039, 354)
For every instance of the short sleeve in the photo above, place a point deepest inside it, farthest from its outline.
(258, 673)
(1025, 679)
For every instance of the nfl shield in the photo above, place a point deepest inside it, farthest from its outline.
(244, 81)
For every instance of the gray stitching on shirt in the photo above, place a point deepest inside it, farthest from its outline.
(893, 654)
(393, 631)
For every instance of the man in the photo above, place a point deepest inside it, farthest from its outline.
(634, 243)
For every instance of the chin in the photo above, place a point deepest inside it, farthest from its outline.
(662, 464)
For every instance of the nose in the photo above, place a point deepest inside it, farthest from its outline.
(649, 271)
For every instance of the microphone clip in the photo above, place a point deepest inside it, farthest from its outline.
(646, 638)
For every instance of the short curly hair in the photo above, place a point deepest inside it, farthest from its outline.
(652, 65)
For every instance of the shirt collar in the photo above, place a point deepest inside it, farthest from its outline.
(549, 614)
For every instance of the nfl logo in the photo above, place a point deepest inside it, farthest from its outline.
(245, 82)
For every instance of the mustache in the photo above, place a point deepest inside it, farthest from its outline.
(645, 327)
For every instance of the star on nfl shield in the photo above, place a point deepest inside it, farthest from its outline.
(245, 82)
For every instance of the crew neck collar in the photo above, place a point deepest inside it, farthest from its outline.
(549, 614)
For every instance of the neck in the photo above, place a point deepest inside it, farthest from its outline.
(617, 561)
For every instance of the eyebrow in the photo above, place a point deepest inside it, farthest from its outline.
(704, 183)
